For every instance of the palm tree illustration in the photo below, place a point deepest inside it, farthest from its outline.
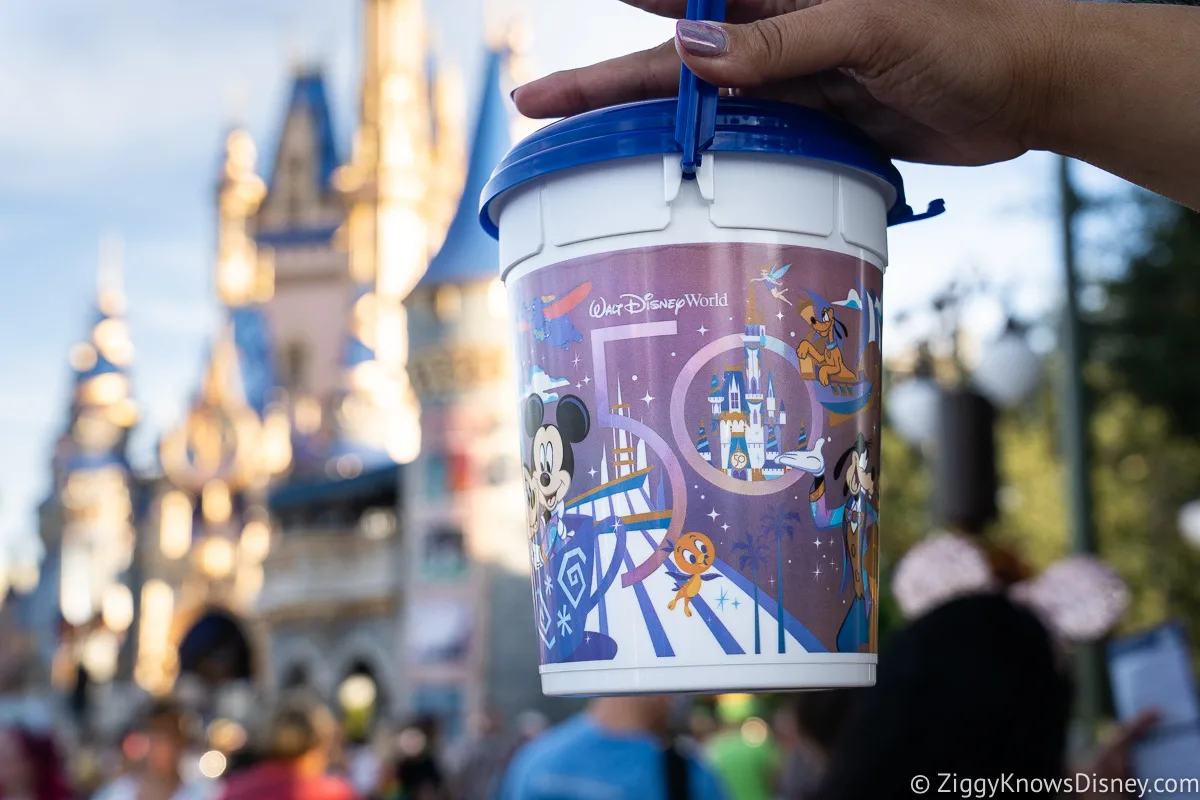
(780, 522)
(752, 556)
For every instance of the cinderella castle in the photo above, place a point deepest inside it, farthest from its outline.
(339, 507)
(747, 420)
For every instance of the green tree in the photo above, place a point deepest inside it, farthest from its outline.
(752, 556)
(904, 516)
(1147, 331)
(1144, 430)
(781, 523)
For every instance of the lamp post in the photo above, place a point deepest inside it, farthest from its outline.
(1009, 371)
(913, 404)
(956, 424)
(1189, 523)
(1073, 426)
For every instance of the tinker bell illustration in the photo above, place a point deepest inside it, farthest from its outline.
(774, 278)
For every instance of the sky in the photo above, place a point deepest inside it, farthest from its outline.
(114, 115)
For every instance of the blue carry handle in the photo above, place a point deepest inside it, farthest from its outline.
(696, 115)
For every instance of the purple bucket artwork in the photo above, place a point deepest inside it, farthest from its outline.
(701, 429)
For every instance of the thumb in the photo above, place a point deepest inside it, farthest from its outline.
(798, 44)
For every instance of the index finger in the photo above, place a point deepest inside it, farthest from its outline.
(1138, 727)
(735, 10)
(647, 75)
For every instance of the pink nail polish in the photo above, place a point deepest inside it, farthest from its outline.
(701, 38)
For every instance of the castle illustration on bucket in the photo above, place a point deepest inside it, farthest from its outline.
(747, 419)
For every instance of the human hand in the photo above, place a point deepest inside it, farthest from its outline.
(1112, 760)
(968, 83)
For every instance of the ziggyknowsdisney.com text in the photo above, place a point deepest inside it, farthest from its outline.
(961, 786)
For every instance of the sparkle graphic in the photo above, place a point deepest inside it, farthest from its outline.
(779, 316)
(722, 600)
(817, 572)
(648, 398)
(817, 542)
(579, 386)
(633, 377)
(793, 334)
(549, 583)
(587, 638)
(564, 621)
(672, 355)
(702, 330)
(713, 515)
(587, 379)
(592, 472)
(831, 541)
(724, 526)
(577, 360)
(735, 603)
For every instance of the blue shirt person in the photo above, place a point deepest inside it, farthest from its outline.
(607, 753)
(857, 519)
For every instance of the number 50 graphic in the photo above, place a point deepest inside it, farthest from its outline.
(679, 497)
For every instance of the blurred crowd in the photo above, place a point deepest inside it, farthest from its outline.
(752, 748)
(977, 687)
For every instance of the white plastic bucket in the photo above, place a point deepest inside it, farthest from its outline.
(700, 373)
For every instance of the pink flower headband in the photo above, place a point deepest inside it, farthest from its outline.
(1079, 598)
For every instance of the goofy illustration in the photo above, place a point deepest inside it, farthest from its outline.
(826, 362)
(859, 522)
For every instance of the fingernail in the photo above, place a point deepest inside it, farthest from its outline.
(701, 38)
(513, 94)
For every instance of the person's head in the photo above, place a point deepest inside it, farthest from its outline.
(701, 722)
(820, 717)
(971, 688)
(488, 722)
(734, 709)
(301, 732)
(165, 726)
(641, 713)
(30, 766)
(531, 724)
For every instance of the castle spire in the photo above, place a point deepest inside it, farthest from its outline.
(102, 408)
(110, 276)
(390, 171)
(752, 317)
(242, 276)
(387, 184)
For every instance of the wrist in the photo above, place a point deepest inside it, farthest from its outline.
(1064, 76)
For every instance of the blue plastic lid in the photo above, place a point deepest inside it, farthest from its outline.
(742, 125)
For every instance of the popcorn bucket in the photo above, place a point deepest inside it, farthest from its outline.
(698, 290)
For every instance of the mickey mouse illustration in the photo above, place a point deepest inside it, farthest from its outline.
(532, 506)
(551, 465)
